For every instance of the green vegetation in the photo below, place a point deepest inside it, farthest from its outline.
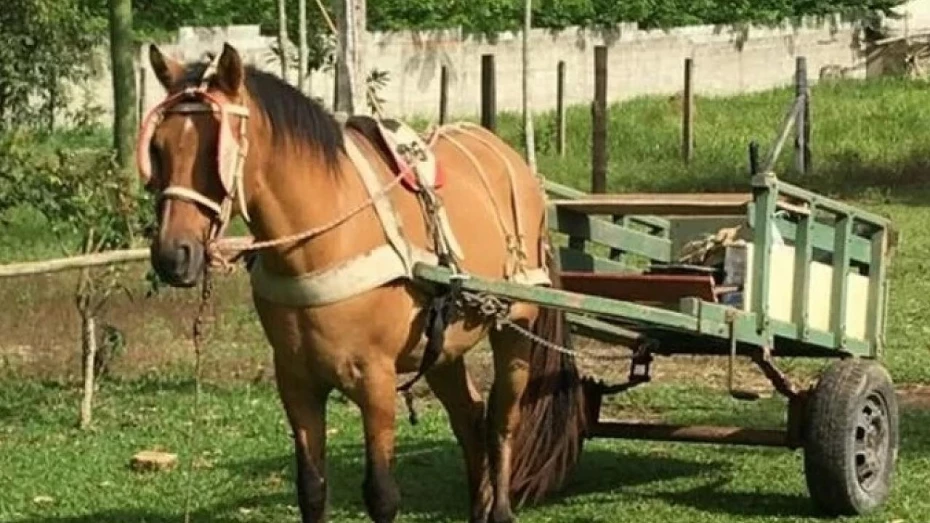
(243, 467)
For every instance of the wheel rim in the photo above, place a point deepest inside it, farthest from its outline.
(871, 441)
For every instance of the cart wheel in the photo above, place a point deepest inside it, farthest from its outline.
(851, 438)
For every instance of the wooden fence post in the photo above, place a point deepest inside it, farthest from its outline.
(443, 95)
(687, 114)
(488, 93)
(802, 123)
(599, 122)
(560, 109)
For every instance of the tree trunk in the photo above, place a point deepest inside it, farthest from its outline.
(302, 80)
(350, 78)
(282, 36)
(124, 84)
(527, 115)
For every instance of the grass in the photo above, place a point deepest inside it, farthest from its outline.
(871, 147)
(243, 466)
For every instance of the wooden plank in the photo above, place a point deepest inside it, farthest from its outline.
(840, 287)
(667, 204)
(823, 203)
(562, 300)
(802, 263)
(666, 288)
(574, 259)
(860, 250)
(612, 235)
(660, 226)
(764, 209)
(877, 304)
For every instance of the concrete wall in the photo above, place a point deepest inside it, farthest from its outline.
(726, 60)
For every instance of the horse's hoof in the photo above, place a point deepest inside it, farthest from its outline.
(502, 516)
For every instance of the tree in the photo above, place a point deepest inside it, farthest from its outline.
(44, 45)
(302, 79)
(282, 36)
(124, 85)
(352, 26)
(527, 115)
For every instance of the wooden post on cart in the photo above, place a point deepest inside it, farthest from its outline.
(802, 142)
(488, 93)
(599, 122)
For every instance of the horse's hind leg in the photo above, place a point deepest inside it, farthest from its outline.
(511, 373)
(305, 405)
(453, 387)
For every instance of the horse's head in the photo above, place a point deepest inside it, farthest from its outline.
(191, 153)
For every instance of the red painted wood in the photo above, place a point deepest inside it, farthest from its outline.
(641, 287)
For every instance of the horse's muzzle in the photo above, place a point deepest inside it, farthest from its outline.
(178, 262)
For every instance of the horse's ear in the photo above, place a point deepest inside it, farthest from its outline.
(230, 71)
(166, 69)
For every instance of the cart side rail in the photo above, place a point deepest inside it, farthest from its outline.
(615, 243)
(837, 263)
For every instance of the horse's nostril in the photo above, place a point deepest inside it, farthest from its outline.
(184, 255)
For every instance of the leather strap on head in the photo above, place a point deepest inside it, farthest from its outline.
(231, 153)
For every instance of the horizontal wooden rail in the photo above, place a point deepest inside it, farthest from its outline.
(100, 259)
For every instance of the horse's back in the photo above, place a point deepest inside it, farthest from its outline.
(486, 182)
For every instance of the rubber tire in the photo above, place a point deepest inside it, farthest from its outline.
(833, 410)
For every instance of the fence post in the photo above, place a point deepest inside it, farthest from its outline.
(753, 158)
(488, 93)
(802, 123)
(560, 109)
(443, 95)
(687, 114)
(599, 122)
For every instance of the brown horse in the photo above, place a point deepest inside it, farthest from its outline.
(339, 306)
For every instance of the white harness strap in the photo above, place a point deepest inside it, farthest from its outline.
(390, 221)
(367, 271)
(345, 280)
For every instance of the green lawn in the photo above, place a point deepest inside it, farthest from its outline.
(53, 473)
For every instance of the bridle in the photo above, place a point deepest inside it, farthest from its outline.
(231, 153)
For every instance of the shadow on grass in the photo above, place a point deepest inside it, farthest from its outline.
(430, 475)
(433, 486)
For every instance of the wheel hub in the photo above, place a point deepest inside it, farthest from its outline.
(871, 441)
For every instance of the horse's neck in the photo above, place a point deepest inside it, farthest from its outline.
(296, 194)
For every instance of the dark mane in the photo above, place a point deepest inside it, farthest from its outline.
(291, 113)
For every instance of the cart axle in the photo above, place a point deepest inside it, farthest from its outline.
(690, 433)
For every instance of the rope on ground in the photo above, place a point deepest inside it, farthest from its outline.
(199, 338)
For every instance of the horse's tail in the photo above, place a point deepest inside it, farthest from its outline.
(549, 439)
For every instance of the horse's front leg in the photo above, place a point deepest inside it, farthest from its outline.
(305, 404)
(374, 392)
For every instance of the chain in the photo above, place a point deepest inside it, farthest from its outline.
(199, 337)
(491, 306)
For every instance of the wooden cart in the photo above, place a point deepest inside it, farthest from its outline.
(807, 280)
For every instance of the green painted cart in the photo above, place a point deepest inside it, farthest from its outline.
(799, 275)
